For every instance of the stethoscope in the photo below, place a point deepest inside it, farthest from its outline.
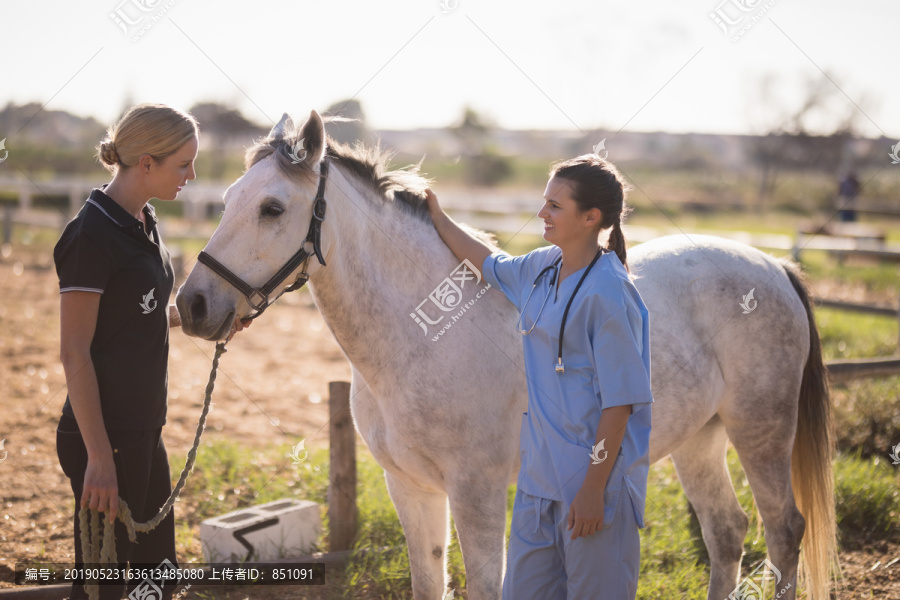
(560, 367)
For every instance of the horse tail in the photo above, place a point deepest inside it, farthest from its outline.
(812, 474)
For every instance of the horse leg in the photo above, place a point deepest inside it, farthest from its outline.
(700, 462)
(765, 453)
(478, 505)
(425, 522)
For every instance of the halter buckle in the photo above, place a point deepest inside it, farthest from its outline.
(299, 282)
(319, 209)
(264, 300)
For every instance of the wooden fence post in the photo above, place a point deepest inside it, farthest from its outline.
(25, 197)
(177, 257)
(7, 223)
(76, 199)
(342, 510)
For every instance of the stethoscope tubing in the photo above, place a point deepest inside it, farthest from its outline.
(560, 367)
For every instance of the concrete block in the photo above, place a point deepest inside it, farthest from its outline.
(280, 529)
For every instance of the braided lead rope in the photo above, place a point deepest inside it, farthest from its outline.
(96, 552)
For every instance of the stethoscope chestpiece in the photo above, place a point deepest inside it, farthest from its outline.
(560, 368)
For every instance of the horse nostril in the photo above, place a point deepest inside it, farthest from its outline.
(198, 308)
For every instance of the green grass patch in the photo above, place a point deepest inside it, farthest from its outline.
(867, 416)
(227, 477)
(868, 498)
(875, 277)
(520, 243)
(673, 558)
(846, 334)
(667, 216)
(43, 238)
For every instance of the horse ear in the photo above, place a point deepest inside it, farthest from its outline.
(283, 125)
(313, 134)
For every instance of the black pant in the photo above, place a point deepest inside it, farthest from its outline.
(142, 472)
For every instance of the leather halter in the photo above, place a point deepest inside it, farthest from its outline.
(261, 293)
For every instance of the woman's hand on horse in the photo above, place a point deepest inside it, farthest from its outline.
(238, 325)
(101, 488)
(460, 241)
(434, 207)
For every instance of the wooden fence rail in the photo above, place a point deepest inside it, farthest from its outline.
(496, 210)
(869, 309)
(885, 311)
(841, 371)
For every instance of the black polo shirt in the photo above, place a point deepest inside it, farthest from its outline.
(104, 249)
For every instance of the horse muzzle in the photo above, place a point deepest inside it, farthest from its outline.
(203, 316)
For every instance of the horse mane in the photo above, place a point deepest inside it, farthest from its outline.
(404, 187)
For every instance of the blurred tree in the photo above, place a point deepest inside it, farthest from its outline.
(46, 142)
(789, 141)
(483, 164)
(472, 132)
(352, 127)
(224, 122)
(224, 133)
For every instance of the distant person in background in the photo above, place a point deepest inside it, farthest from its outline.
(846, 201)
(115, 279)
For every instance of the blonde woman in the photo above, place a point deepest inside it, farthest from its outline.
(115, 278)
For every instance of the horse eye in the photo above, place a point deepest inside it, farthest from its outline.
(271, 210)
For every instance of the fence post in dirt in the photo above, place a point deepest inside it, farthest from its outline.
(25, 198)
(7, 223)
(76, 199)
(342, 510)
(795, 250)
(177, 257)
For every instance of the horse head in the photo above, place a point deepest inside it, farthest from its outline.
(268, 212)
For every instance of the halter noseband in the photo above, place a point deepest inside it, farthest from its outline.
(301, 257)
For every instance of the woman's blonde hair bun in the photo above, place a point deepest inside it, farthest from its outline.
(154, 129)
(108, 153)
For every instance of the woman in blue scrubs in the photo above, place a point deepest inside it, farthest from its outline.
(584, 441)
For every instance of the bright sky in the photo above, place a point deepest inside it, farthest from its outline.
(646, 66)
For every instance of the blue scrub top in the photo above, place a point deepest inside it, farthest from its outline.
(606, 353)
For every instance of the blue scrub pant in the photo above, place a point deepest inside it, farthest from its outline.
(544, 563)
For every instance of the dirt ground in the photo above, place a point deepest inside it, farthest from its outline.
(272, 387)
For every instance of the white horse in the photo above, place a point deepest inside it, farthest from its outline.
(440, 409)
